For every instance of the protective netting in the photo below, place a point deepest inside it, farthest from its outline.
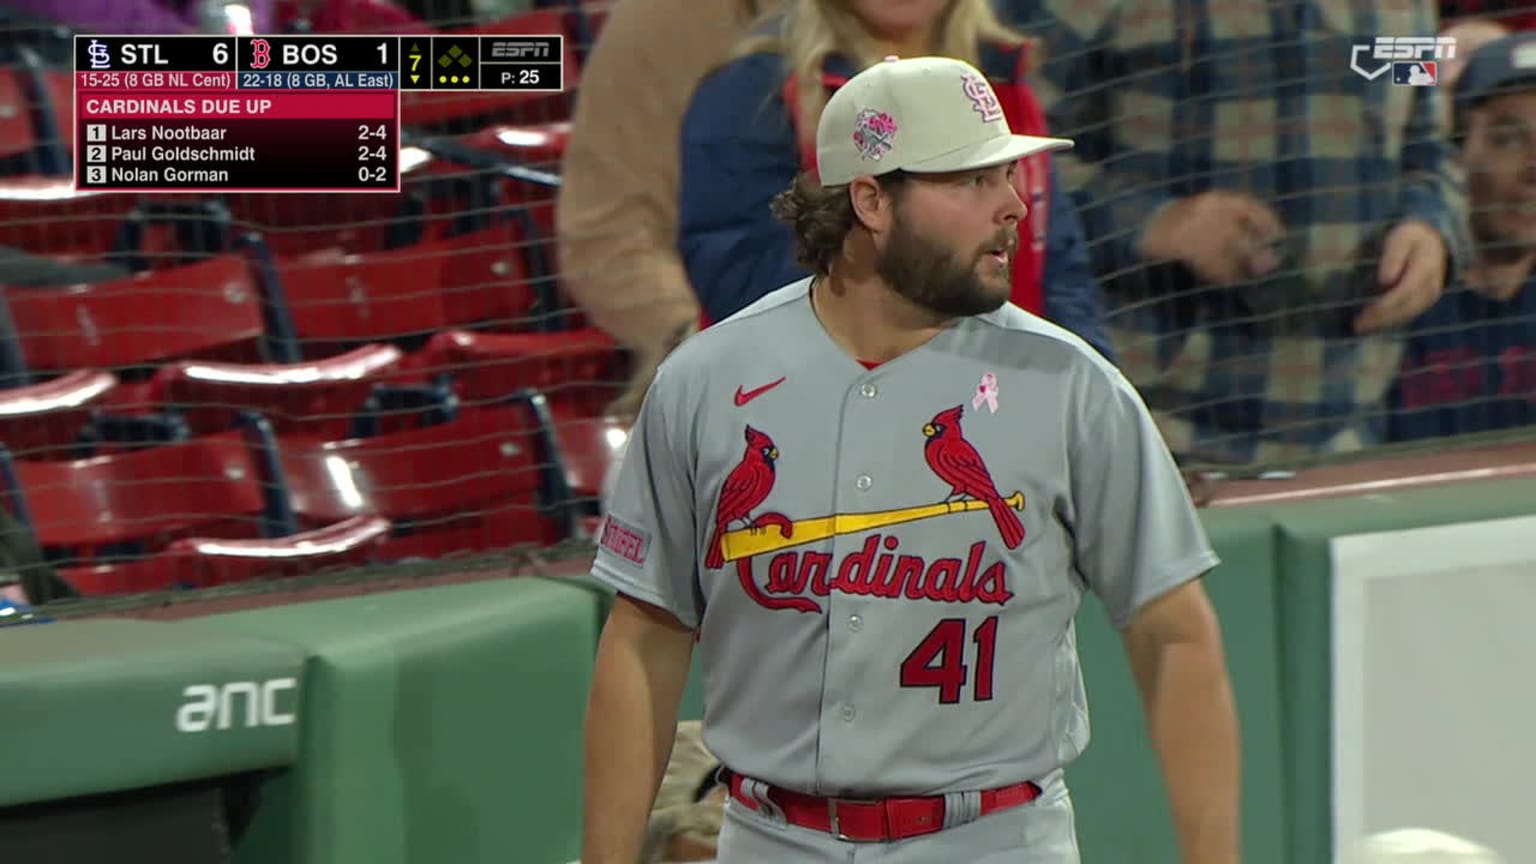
(221, 390)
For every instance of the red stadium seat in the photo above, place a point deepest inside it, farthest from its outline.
(209, 309)
(17, 135)
(334, 297)
(292, 224)
(203, 561)
(210, 485)
(322, 225)
(485, 279)
(59, 87)
(181, 312)
(316, 397)
(469, 484)
(205, 321)
(45, 216)
(43, 420)
(540, 144)
(574, 369)
(588, 446)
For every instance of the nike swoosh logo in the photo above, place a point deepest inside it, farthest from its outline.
(745, 396)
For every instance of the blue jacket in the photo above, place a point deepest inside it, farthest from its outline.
(739, 151)
(1470, 366)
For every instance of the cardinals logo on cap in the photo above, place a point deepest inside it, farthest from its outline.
(982, 98)
(874, 133)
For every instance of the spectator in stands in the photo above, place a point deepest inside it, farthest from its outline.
(346, 16)
(1262, 215)
(1514, 14)
(1470, 34)
(751, 127)
(617, 212)
(152, 16)
(1471, 359)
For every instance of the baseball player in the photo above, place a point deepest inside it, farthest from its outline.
(874, 499)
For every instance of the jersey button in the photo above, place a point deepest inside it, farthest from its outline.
(863, 482)
(855, 622)
(847, 713)
(869, 391)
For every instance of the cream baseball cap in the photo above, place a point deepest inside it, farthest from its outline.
(927, 115)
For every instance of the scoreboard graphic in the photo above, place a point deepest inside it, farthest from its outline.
(275, 113)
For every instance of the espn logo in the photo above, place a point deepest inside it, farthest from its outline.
(523, 49)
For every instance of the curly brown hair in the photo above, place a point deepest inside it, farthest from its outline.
(821, 217)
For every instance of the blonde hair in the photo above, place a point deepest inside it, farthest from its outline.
(816, 29)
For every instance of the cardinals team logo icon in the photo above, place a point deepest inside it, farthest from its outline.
(958, 464)
(742, 531)
(982, 98)
(874, 133)
(745, 488)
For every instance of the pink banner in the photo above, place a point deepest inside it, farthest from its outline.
(245, 105)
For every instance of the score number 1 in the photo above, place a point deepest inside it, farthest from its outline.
(366, 172)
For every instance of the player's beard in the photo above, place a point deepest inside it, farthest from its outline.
(933, 277)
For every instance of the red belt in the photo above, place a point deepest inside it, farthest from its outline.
(878, 821)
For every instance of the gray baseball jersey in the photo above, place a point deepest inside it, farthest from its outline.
(884, 564)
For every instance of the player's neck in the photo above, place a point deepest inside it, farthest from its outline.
(867, 319)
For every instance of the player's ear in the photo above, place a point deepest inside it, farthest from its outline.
(872, 205)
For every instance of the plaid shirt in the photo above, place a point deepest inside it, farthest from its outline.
(1169, 99)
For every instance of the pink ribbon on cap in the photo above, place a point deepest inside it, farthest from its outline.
(986, 392)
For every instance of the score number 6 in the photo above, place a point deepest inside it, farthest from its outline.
(220, 53)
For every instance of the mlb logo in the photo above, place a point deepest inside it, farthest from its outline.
(1420, 73)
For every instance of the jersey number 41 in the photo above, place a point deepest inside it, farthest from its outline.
(939, 660)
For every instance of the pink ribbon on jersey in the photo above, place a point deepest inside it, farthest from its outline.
(986, 392)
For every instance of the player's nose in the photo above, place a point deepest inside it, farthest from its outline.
(1011, 207)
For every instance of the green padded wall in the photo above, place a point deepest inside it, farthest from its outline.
(444, 725)
(92, 706)
(1122, 808)
(1304, 532)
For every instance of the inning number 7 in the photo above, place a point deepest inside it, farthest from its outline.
(939, 660)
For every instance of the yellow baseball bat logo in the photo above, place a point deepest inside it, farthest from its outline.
(748, 542)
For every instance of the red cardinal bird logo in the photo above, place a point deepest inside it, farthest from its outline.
(958, 464)
(746, 487)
